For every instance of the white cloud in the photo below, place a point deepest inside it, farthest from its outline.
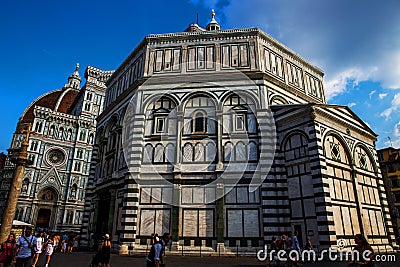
(343, 80)
(372, 93)
(351, 104)
(350, 40)
(394, 107)
(382, 96)
(396, 131)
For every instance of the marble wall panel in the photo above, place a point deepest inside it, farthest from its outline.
(251, 223)
(234, 223)
(206, 223)
(190, 222)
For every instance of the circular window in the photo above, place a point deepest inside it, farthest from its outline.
(55, 156)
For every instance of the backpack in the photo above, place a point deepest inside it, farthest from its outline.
(33, 251)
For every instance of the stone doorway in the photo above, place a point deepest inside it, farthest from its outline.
(43, 218)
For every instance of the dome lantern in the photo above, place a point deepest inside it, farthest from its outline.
(213, 25)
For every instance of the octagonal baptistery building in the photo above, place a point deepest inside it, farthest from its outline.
(63, 122)
(223, 138)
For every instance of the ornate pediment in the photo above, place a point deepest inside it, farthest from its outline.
(52, 177)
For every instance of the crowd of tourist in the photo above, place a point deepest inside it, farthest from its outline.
(27, 249)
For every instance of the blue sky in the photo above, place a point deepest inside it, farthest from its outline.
(356, 43)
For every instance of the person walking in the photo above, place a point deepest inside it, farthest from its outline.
(56, 242)
(38, 248)
(76, 243)
(49, 249)
(296, 247)
(308, 245)
(275, 250)
(361, 247)
(154, 257)
(70, 243)
(7, 251)
(164, 242)
(64, 243)
(105, 251)
(25, 249)
(282, 242)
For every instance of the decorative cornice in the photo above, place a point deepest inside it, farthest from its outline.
(322, 110)
(325, 113)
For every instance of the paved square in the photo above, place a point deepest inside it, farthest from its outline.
(82, 259)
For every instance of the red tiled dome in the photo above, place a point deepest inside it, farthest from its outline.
(58, 100)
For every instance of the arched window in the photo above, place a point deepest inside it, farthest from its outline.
(170, 153)
(70, 217)
(69, 135)
(253, 151)
(32, 145)
(210, 152)
(362, 159)
(52, 130)
(38, 127)
(25, 184)
(188, 152)
(199, 122)
(334, 149)
(61, 133)
(199, 152)
(240, 152)
(238, 114)
(228, 151)
(296, 147)
(158, 114)
(148, 153)
(79, 153)
(82, 135)
(77, 167)
(74, 189)
(91, 138)
(159, 153)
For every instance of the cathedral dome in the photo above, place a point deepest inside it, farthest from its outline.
(58, 100)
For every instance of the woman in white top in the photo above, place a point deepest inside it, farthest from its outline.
(48, 249)
(38, 248)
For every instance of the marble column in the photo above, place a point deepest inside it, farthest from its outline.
(111, 212)
(220, 214)
(176, 228)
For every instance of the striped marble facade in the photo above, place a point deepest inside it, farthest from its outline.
(322, 181)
